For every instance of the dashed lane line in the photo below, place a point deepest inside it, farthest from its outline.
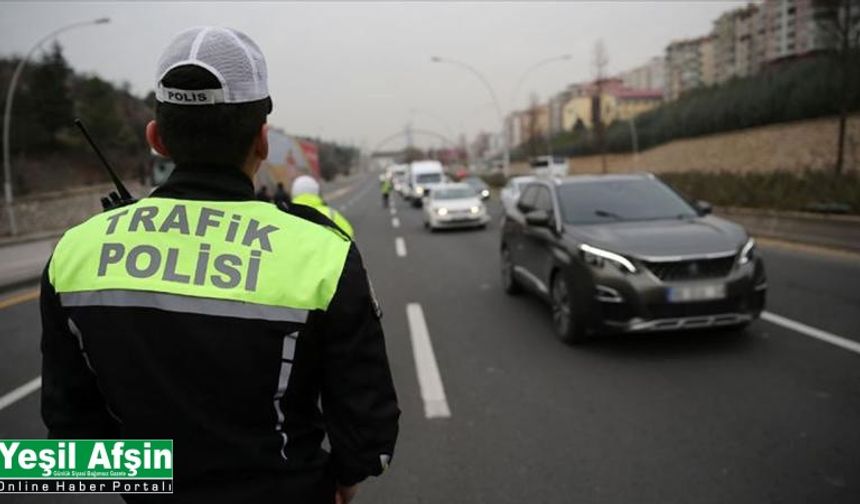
(395, 222)
(400, 246)
(20, 392)
(812, 332)
(429, 379)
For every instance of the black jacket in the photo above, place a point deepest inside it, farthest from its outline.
(210, 383)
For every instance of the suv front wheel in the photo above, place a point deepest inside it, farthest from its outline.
(565, 317)
(509, 281)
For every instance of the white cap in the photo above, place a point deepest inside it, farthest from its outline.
(229, 55)
(305, 184)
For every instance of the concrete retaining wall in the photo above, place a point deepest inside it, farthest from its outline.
(57, 211)
(797, 146)
(834, 231)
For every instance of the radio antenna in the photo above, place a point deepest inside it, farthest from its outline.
(124, 195)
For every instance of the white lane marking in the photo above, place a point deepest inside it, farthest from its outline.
(393, 210)
(400, 247)
(429, 380)
(20, 392)
(812, 332)
(337, 193)
(395, 222)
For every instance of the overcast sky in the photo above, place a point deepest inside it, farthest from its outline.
(360, 71)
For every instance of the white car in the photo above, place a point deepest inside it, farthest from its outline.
(511, 192)
(454, 205)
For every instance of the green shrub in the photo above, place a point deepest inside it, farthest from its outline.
(802, 89)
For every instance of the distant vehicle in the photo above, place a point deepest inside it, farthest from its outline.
(454, 205)
(479, 186)
(549, 166)
(424, 176)
(625, 253)
(511, 192)
(399, 175)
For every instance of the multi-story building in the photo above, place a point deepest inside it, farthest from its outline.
(735, 44)
(650, 76)
(789, 28)
(556, 110)
(534, 123)
(617, 103)
(689, 64)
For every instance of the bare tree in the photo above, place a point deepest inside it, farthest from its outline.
(599, 62)
(839, 22)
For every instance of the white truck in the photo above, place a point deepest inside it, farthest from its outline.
(549, 166)
(424, 176)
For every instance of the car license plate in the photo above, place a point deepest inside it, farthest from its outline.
(688, 293)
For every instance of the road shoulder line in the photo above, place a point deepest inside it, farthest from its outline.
(20, 392)
(812, 332)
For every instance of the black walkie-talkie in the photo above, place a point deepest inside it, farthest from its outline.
(119, 198)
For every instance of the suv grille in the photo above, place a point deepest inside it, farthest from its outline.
(692, 270)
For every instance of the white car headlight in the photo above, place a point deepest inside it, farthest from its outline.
(597, 256)
(747, 252)
(475, 210)
(419, 190)
(485, 193)
(442, 211)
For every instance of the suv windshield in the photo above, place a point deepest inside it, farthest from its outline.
(620, 200)
(453, 193)
(428, 178)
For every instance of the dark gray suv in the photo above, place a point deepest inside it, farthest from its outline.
(626, 253)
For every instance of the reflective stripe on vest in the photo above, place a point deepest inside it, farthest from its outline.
(242, 259)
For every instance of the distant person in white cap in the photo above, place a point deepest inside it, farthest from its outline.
(244, 333)
(306, 191)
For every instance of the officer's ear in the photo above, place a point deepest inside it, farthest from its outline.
(261, 142)
(154, 139)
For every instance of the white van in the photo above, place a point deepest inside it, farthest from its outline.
(424, 176)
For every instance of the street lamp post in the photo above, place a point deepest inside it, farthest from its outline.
(7, 115)
(506, 160)
(476, 73)
(529, 70)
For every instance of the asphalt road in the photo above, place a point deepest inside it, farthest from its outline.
(766, 415)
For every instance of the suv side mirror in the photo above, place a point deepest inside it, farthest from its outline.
(704, 207)
(538, 218)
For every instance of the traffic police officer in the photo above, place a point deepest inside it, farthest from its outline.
(306, 191)
(201, 315)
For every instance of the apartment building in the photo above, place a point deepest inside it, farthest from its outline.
(617, 103)
(650, 76)
(735, 44)
(689, 64)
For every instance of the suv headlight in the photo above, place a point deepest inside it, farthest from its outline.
(442, 211)
(419, 190)
(475, 210)
(597, 257)
(747, 252)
